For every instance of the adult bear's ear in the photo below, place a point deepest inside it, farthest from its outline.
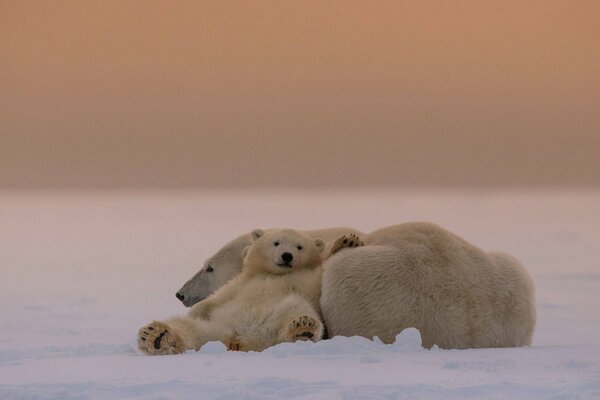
(320, 245)
(256, 234)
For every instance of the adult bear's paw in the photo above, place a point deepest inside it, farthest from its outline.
(157, 338)
(236, 345)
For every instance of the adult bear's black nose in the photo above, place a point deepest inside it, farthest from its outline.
(179, 296)
(287, 257)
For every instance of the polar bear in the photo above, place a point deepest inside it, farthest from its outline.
(227, 263)
(419, 274)
(274, 299)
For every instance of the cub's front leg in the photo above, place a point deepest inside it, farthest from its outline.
(226, 293)
(202, 309)
(346, 242)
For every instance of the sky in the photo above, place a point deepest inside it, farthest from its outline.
(311, 94)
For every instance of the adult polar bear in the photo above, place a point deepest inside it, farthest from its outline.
(418, 275)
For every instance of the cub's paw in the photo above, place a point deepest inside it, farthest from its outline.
(306, 328)
(157, 338)
(347, 241)
(236, 345)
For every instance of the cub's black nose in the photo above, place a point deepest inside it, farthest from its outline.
(179, 296)
(287, 257)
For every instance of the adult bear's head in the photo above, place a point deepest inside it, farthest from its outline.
(216, 271)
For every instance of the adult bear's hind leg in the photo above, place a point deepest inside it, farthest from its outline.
(236, 344)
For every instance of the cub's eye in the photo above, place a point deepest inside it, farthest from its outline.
(210, 269)
(276, 244)
(299, 247)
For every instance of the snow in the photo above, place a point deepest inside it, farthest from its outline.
(81, 272)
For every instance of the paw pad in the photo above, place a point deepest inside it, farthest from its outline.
(346, 242)
(305, 328)
(156, 338)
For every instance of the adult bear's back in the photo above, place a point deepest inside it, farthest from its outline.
(420, 275)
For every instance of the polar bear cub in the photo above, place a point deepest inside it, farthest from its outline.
(275, 299)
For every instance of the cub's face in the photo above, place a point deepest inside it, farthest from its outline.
(282, 251)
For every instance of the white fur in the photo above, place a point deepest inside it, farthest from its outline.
(420, 275)
(414, 274)
(260, 306)
(228, 261)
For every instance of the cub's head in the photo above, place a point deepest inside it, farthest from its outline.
(282, 251)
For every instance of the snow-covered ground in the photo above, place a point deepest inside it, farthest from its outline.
(80, 273)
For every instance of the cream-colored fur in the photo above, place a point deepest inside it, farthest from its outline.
(227, 263)
(274, 299)
(420, 275)
(414, 274)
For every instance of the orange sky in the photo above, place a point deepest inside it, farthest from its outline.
(310, 94)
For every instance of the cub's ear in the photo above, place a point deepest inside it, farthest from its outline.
(320, 245)
(245, 251)
(256, 234)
